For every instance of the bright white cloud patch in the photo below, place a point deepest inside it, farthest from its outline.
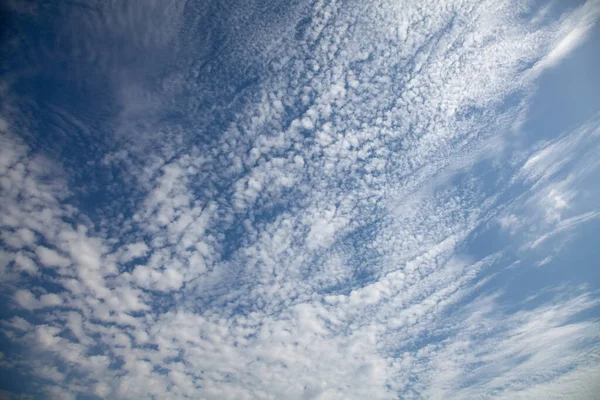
(318, 200)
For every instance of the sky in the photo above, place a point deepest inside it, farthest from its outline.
(293, 199)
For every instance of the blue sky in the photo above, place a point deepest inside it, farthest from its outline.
(300, 200)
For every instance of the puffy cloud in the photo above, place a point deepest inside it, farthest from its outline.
(133, 251)
(51, 258)
(169, 279)
(28, 300)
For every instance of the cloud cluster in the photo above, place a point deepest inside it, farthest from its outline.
(301, 227)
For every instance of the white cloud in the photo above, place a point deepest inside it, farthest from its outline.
(133, 251)
(28, 300)
(25, 299)
(557, 199)
(572, 34)
(169, 279)
(51, 258)
(25, 263)
(582, 383)
(316, 245)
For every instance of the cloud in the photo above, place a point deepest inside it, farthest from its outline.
(578, 384)
(51, 258)
(557, 177)
(294, 215)
(28, 300)
(133, 251)
(572, 34)
(514, 353)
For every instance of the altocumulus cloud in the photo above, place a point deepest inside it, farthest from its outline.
(320, 199)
